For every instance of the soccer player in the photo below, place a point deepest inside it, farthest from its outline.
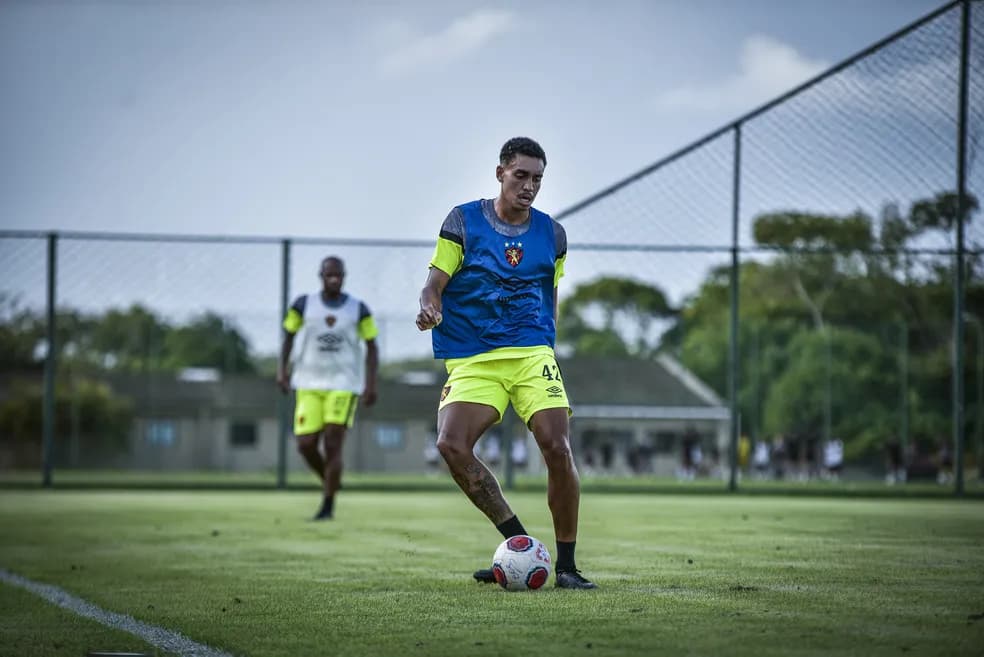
(329, 371)
(491, 301)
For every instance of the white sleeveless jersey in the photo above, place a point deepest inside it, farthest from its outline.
(328, 352)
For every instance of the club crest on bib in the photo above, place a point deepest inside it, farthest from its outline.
(330, 320)
(514, 253)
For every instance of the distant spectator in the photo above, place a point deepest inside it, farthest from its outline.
(431, 456)
(492, 449)
(798, 456)
(715, 466)
(744, 452)
(944, 457)
(696, 457)
(688, 447)
(780, 457)
(607, 456)
(760, 459)
(518, 452)
(894, 467)
(590, 460)
(812, 456)
(833, 459)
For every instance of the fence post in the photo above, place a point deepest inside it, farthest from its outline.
(283, 402)
(50, 366)
(733, 362)
(958, 274)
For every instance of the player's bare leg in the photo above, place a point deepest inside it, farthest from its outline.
(334, 439)
(551, 429)
(459, 426)
(307, 445)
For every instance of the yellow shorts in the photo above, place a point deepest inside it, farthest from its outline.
(316, 408)
(532, 384)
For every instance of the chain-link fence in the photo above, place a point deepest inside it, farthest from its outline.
(775, 302)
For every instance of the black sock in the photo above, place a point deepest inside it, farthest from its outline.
(511, 527)
(327, 506)
(565, 555)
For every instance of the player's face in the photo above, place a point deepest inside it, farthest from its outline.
(332, 275)
(520, 180)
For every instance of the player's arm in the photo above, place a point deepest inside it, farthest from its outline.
(447, 259)
(556, 312)
(430, 299)
(283, 368)
(560, 243)
(368, 331)
(372, 367)
(292, 324)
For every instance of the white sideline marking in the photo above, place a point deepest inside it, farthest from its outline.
(156, 636)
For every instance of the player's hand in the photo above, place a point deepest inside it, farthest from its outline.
(428, 318)
(368, 396)
(283, 381)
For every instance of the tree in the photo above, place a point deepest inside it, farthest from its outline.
(842, 295)
(131, 339)
(208, 341)
(815, 250)
(613, 317)
(20, 335)
(861, 376)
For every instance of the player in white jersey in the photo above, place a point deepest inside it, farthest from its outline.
(329, 370)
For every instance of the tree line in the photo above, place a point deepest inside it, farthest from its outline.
(845, 327)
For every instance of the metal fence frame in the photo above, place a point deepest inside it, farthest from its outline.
(959, 253)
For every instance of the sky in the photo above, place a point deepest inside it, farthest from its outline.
(372, 119)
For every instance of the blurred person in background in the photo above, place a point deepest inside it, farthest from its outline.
(490, 300)
(833, 459)
(518, 452)
(744, 453)
(760, 459)
(944, 462)
(432, 457)
(895, 471)
(780, 457)
(330, 371)
(492, 449)
(689, 449)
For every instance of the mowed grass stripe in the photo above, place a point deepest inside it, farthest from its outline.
(247, 572)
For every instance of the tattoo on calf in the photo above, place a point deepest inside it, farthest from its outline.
(483, 490)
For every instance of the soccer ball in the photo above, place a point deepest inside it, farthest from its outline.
(521, 563)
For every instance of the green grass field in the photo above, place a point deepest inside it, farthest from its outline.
(247, 573)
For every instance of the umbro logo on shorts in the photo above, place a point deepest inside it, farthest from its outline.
(555, 391)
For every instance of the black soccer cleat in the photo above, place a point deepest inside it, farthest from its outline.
(485, 576)
(572, 579)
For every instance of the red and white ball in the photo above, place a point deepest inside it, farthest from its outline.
(521, 563)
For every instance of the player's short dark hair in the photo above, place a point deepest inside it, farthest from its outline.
(331, 258)
(521, 146)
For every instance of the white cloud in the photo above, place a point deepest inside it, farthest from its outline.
(767, 68)
(464, 35)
